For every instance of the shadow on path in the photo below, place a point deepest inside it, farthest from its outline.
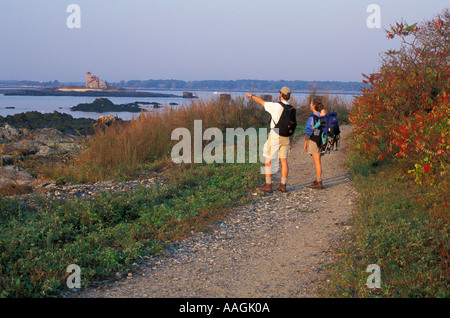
(327, 183)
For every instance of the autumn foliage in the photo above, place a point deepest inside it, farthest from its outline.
(403, 115)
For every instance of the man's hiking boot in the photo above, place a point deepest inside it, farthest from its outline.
(282, 187)
(318, 185)
(266, 188)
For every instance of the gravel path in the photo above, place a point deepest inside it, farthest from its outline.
(274, 247)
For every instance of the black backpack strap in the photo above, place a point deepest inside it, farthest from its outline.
(283, 105)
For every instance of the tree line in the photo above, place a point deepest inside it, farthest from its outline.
(242, 85)
(217, 85)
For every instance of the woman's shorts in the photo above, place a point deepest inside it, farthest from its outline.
(313, 149)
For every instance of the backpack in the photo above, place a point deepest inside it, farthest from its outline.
(288, 121)
(326, 132)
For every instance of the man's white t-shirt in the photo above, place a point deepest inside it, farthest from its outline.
(275, 110)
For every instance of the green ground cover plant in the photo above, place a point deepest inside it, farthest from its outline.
(396, 230)
(108, 232)
(399, 162)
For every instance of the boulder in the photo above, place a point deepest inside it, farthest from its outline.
(49, 136)
(8, 133)
(11, 174)
(26, 147)
(16, 143)
(107, 120)
(6, 160)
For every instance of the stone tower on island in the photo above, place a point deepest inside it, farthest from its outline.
(94, 82)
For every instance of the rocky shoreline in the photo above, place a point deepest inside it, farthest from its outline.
(21, 147)
(33, 120)
(45, 142)
(20, 144)
(32, 137)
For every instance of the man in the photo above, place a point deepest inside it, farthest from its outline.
(275, 143)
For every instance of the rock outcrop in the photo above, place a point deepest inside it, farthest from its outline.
(104, 105)
(18, 143)
(14, 175)
(107, 120)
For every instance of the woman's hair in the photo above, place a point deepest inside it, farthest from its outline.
(317, 103)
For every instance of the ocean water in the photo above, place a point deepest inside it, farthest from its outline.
(11, 105)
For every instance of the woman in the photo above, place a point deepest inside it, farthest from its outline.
(311, 146)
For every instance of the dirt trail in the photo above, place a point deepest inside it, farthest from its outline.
(274, 247)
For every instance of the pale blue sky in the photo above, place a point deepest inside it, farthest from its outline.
(199, 39)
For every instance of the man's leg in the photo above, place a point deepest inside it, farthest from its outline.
(284, 174)
(268, 175)
(268, 171)
(283, 155)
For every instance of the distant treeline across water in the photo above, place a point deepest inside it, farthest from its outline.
(243, 85)
(217, 85)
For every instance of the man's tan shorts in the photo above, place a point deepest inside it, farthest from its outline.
(313, 149)
(276, 143)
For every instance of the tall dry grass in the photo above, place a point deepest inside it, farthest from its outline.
(123, 149)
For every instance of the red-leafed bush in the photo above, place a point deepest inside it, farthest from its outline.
(404, 112)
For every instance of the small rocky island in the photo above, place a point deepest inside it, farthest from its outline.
(104, 105)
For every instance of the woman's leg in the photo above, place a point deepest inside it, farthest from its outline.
(318, 167)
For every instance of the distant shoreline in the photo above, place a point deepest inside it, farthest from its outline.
(84, 93)
(224, 86)
(139, 92)
(224, 91)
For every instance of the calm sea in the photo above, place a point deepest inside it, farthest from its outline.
(11, 105)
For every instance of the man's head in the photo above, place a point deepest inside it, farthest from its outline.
(285, 93)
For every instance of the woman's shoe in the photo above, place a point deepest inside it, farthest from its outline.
(318, 185)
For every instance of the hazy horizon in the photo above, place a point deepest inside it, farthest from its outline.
(200, 40)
